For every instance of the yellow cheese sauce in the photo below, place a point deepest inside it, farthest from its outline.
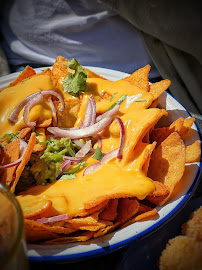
(71, 196)
(115, 178)
(12, 96)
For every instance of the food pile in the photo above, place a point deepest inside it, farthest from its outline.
(184, 251)
(82, 153)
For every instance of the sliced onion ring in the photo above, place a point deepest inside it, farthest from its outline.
(65, 165)
(79, 143)
(13, 117)
(83, 132)
(30, 104)
(94, 167)
(23, 147)
(53, 219)
(90, 113)
(108, 113)
(84, 150)
(72, 159)
(57, 95)
(122, 137)
(93, 116)
(54, 111)
(110, 155)
(99, 140)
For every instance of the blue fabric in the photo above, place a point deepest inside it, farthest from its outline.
(37, 31)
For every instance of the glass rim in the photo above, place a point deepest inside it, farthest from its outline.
(20, 224)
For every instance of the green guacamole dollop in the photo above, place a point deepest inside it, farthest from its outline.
(47, 168)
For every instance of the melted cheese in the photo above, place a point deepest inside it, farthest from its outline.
(12, 96)
(114, 178)
(71, 196)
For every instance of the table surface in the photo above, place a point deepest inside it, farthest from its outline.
(138, 256)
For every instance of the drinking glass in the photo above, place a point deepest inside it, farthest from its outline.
(12, 241)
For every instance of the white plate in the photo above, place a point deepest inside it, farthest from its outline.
(121, 238)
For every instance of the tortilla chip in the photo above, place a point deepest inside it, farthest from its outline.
(140, 78)
(55, 229)
(44, 123)
(84, 221)
(143, 209)
(139, 130)
(193, 152)
(146, 216)
(181, 126)
(160, 194)
(103, 199)
(26, 157)
(160, 134)
(156, 89)
(94, 206)
(61, 70)
(37, 209)
(37, 234)
(24, 132)
(106, 230)
(144, 212)
(68, 118)
(148, 153)
(167, 162)
(160, 190)
(9, 154)
(77, 237)
(146, 138)
(110, 211)
(154, 103)
(49, 73)
(33, 228)
(38, 147)
(127, 208)
(25, 74)
(188, 122)
(94, 228)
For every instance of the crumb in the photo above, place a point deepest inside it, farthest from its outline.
(193, 227)
(182, 253)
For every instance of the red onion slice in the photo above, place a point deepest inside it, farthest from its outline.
(90, 113)
(54, 111)
(93, 116)
(72, 159)
(112, 154)
(57, 95)
(122, 137)
(30, 104)
(99, 140)
(108, 113)
(23, 147)
(83, 132)
(84, 150)
(65, 165)
(53, 219)
(79, 143)
(92, 168)
(13, 117)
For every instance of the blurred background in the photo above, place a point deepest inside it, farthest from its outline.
(120, 35)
